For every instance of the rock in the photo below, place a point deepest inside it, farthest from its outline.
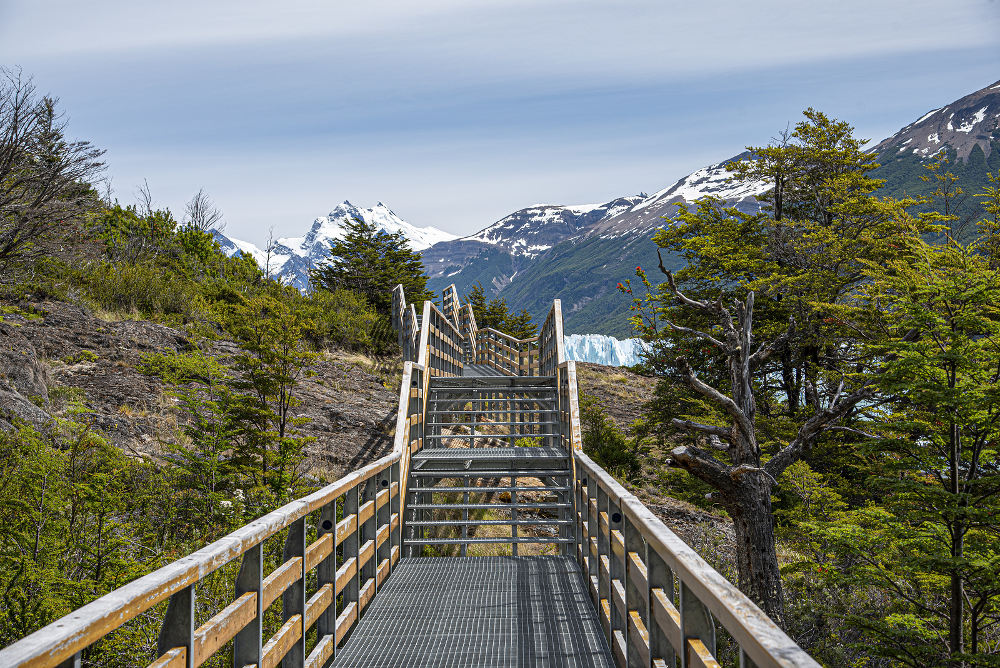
(20, 370)
(13, 407)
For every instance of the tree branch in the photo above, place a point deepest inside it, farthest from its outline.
(703, 466)
(721, 432)
(718, 397)
(812, 428)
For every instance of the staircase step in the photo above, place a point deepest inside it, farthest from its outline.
(520, 523)
(553, 488)
(517, 411)
(469, 541)
(492, 424)
(437, 437)
(493, 380)
(487, 506)
(452, 473)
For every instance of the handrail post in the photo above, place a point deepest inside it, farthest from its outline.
(326, 573)
(660, 576)
(248, 641)
(636, 595)
(178, 625)
(352, 550)
(293, 599)
(696, 624)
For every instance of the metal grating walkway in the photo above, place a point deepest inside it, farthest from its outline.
(480, 611)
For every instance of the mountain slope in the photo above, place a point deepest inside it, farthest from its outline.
(966, 132)
(291, 258)
(576, 253)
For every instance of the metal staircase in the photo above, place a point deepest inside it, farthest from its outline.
(491, 462)
(487, 453)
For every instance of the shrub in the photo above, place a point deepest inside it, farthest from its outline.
(140, 288)
(605, 443)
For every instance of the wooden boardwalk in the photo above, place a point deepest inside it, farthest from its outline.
(480, 611)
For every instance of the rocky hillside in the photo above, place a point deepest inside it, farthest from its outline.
(56, 356)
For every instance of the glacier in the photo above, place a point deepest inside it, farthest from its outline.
(606, 350)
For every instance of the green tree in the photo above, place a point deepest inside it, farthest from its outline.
(942, 320)
(272, 360)
(496, 313)
(761, 393)
(372, 262)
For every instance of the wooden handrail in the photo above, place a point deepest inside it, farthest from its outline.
(635, 558)
(71, 634)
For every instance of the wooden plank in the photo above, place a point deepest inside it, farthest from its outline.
(618, 595)
(618, 543)
(346, 620)
(175, 658)
(618, 646)
(318, 604)
(365, 553)
(698, 655)
(366, 512)
(346, 527)
(637, 571)
(383, 570)
(345, 573)
(640, 636)
(367, 591)
(225, 624)
(280, 579)
(667, 617)
(279, 644)
(319, 550)
(321, 653)
(606, 615)
(382, 535)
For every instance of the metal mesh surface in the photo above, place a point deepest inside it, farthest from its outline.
(548, 452)
(480, 611)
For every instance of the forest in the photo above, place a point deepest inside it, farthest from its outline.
(827, 378)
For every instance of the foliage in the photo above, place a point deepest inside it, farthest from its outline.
(372, 262)
(605, 443)
(45, 192)
(496, 314)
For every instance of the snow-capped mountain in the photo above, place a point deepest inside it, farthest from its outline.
(601, 349)
(971, 121)
(577, 253)
(291, 258)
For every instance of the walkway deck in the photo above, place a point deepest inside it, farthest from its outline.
(480, 611)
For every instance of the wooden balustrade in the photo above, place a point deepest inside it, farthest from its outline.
(350, 559)
(657, 599)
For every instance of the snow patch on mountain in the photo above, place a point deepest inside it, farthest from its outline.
(291, 258)
(601, 349)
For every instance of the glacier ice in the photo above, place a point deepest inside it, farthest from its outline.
(602, 349)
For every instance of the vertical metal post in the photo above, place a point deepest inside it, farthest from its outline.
(661, 576)
(696, 622)
(326, 573)
(636, 592)
(247, 643)
(178, 625)
(351, 545)
(293, 599)
(603, 552)
(513, 515)
(383, 517)
(466, 482)
(395, 508)
(74, 661)
(615, 523)
(367, 531)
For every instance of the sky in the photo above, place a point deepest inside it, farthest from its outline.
(455, 113)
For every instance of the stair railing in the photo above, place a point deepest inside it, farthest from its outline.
(349, 560)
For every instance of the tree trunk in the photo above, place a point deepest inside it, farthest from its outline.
(749, 505)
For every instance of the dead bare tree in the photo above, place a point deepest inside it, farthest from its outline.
(743, 484)
(45, 179)
(200, 212)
